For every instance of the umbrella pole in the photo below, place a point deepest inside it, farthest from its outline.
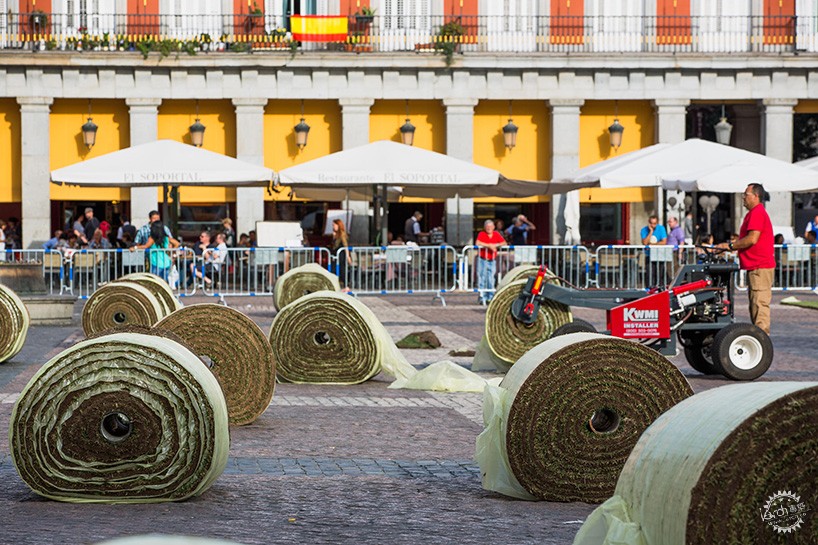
(384, 214)
(165, 202)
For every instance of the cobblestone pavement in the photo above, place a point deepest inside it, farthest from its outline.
(347, 464)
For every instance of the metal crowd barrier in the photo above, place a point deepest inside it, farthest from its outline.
(389, 269)
(796, 267)
(251, 271)
(639, 267)
(397, 269)
(571, 263)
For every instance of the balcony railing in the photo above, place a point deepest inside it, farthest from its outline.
(445, 34)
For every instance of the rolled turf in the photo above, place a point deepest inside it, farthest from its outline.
(238, 351)
(732, 465)
(14, 322)
(566, 416)
(329, 337)
(121, 418)
(507, 338)
(120, 304)
(302, 281)
(158, 287)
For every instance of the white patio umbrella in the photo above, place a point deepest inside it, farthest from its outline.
(418, 172)
(697, 165)
(162, 163)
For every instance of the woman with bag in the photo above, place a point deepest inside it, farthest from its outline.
(157, 244)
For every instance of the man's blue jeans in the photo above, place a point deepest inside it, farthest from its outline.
(486, 269)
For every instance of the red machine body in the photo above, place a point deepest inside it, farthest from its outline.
(649, 317)
(645, 318)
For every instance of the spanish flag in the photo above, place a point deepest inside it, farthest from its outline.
(319, 28)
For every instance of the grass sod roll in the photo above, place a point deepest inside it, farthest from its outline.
(508, 338)
(302, 281)
(734, 465)
(120, 304)
(14, 322)
(158, 287)
(238, 352)
(331, 338)
(569, 413)
(121, 418)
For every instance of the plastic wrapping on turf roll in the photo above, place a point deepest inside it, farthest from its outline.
(302, 281)
(509, 339)
(328, 337)
(120, 304)
(238, 351)
(158, 287)
(14, 322)
(733, 465)
(122, 418)
(566, 416)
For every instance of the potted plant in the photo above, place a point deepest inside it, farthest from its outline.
(365, 16)
(204, 41)
(279, 36)
(106, 41)
(447, 41)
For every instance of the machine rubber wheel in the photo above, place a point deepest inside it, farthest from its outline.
(577, 326)
(698, 353)
(742, 352)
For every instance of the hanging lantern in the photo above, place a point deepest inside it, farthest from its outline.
(197, 133)
(510, 135)
(89, 133)
(723, 129)
(407, 133)
(302, 130)
(615, 133)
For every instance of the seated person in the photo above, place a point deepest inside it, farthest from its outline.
(98, 241)
(53, 242)
(198, 251)
(214, 259)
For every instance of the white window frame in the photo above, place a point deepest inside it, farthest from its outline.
(807, 25)
(724, 26)
(187, 19)
(618, 25)
(3, 22)
(96, 16)
(405, 23)
(512, 25)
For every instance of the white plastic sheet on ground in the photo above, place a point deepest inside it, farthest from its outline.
(443, 376)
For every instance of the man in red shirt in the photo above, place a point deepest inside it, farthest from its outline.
(756, 255)
(488, 241)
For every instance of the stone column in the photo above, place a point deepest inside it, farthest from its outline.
(777, 139)
(36, 167)
(249, 148)
(144, 121)
(460, 145)
(564, 160)
(354, 133)
(671, 114)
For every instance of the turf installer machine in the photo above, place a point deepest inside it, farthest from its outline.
(696, 308)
